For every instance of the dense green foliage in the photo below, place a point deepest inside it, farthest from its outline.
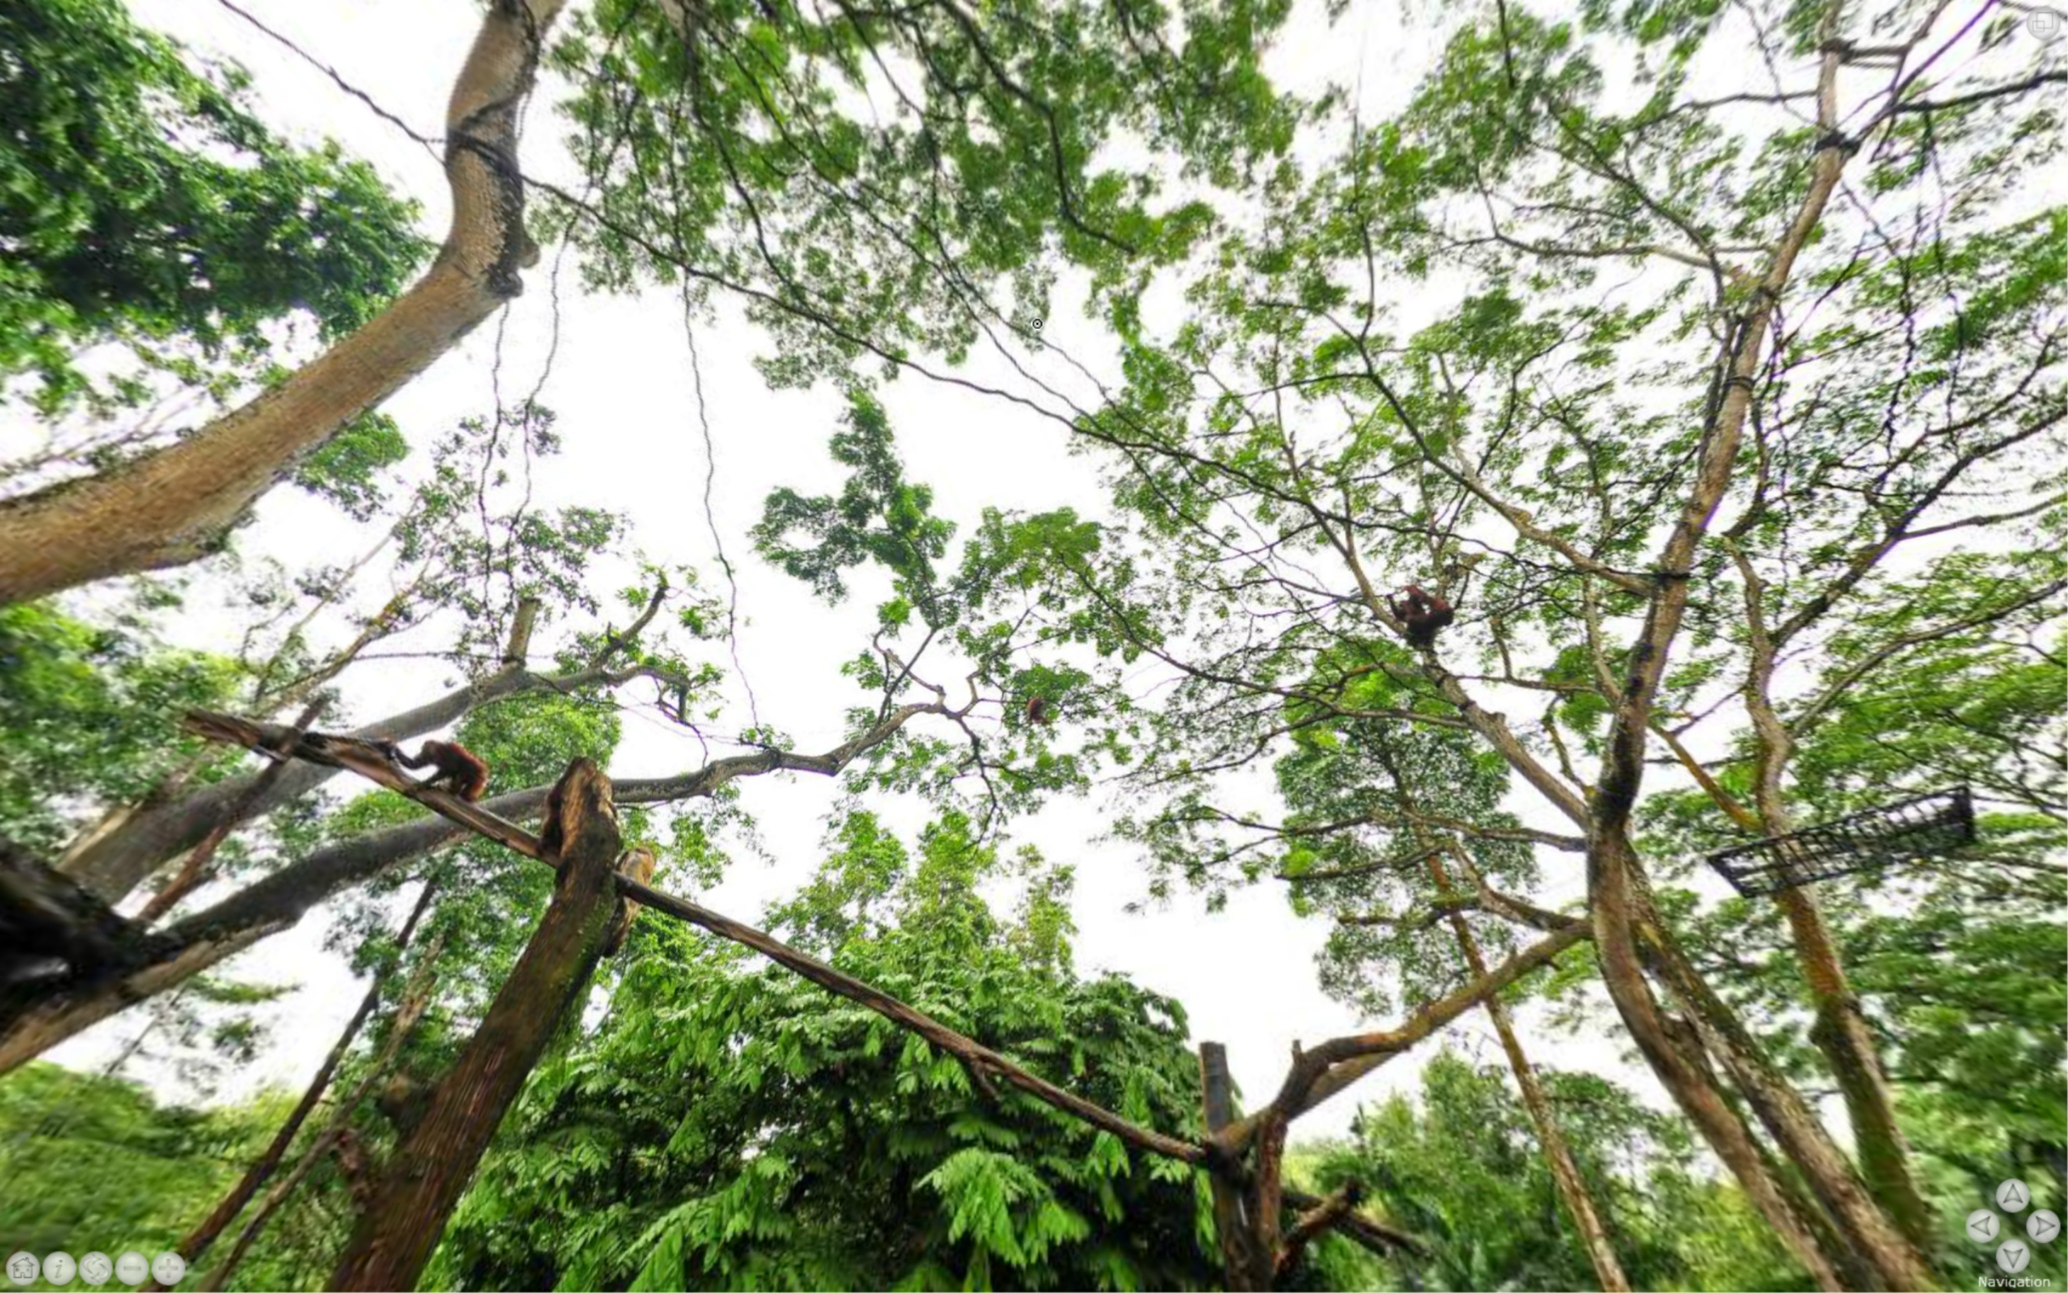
(141, 202)
(98, 1163)
(879, 185)
(1483, 343)
(732, 1126)
(88, 713)
(1461, 1167)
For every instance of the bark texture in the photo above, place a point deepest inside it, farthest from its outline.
(1565, 1170)
(177, 504)
(1840, 1032)
(1245, 1265)
(432, 1165)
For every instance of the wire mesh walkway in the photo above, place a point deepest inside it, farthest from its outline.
(1927, 825)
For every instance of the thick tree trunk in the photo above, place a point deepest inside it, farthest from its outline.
(177, 504)
(1870, 1236)
(1840, 1033)
(1614, 878)
(1246, 1264)
(432, 1165)
(1678, 1065)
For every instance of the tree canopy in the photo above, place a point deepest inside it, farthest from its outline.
(1699, 364)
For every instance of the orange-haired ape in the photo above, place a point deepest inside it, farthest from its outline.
(1422, 614)
(460, 771)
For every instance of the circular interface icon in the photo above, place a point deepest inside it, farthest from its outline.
(2013, 1256)
(96, 1268)
(59, 1268)
(23, 1267)
(132, 1267)
(1982, 1226)
(168, 1268)
(2043, 1226)
(2012, 1196)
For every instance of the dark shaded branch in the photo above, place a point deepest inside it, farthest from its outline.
(1371, 1234)
(2032, 82)
(1313, 1222)
(1327, 1069)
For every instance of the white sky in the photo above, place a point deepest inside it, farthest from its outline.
(621, 387)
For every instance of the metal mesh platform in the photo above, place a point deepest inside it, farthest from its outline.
(1927, 825)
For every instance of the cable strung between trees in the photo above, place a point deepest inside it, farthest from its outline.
(369, 760)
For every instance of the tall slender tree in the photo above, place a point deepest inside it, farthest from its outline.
(1657, 381)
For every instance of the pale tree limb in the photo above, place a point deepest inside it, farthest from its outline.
(1614, 882)
(110, 863)
(1835, 690)
(176, 505)
(973, 1054)
(1491, 726)
(278, 901)
(128, 820)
